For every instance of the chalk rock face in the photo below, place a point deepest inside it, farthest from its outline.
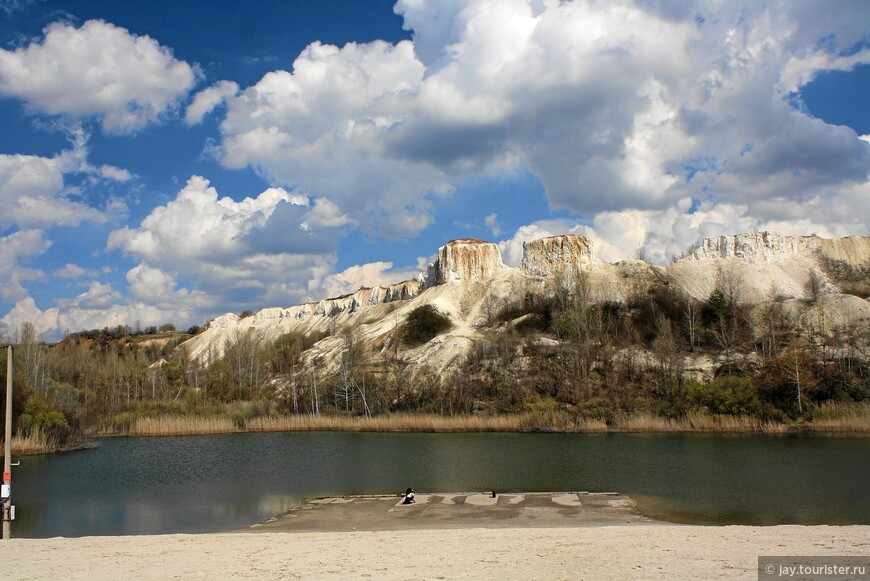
(364, 297)
(754, 247)
(464, 260)
(547, 256)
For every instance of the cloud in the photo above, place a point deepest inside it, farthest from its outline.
(491, 222)
(323, 126)
(10, 6)
(196, 225)
(72, 271)
(195, 256)
(16, 250)
(101, 306)
(116, 174)
(26, 310)
(665, 234)
(206, 100)
(99, 70)
(616, 107)
(33, 192)
(368, 275)
(200, 253)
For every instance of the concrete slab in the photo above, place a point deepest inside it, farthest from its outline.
(457, 510)
(335, 500)
(481, 500)
(566, 500)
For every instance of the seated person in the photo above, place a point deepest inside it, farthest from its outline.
(409, 496)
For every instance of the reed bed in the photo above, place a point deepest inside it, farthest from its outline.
(36, 442)
(696, 422)
(387, 423)
(837, 417)
(181, 426)
(563, 423)
(831, 418)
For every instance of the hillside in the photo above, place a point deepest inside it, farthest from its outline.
(747, 332)
(471, 286)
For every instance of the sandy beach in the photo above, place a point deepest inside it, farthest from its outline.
(608, 552)
(577, 535)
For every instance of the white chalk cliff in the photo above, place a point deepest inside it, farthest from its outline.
(464, 260)
(557, 254)
(468, 280)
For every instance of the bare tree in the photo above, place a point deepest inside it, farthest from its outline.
(32, 354)
(801, 372)
(640, 253)
(691, 319)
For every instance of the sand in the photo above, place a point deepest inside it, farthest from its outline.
(608, 552)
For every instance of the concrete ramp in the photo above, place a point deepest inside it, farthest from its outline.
(459, 510)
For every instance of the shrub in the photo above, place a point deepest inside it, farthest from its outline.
(423, 324)
(729, 394)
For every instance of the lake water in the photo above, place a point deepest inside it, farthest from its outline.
(214, 483)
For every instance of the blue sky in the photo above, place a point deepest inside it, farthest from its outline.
(172, 161)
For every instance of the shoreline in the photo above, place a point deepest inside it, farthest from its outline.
(356, 425)
(461, 535)
(656, 551)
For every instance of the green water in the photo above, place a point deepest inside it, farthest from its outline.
(212, 483)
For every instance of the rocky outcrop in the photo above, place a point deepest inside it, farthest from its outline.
(755, 247)
(349, 304)
(554, 254)
(465, 260)
(759, 266)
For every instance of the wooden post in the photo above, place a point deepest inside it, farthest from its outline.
(7, 450)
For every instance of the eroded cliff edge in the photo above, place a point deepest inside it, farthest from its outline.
(468, 283)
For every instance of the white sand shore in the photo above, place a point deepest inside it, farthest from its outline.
(612, 552)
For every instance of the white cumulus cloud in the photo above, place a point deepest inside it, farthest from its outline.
(368, 275)
(206, 253)
(98, 70)
(616, 107)
(33, 193)
(72, 271)
(15, 250)
(206, 100)
(26, 310)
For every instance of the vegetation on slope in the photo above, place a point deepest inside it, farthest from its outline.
(548, 359)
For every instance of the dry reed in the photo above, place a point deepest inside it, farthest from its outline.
(832, 418)
(181, 426)
(838, 417)
(695, 422)
(386, 423)
(36, 442)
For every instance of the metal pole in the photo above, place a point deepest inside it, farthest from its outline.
(7, 450)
